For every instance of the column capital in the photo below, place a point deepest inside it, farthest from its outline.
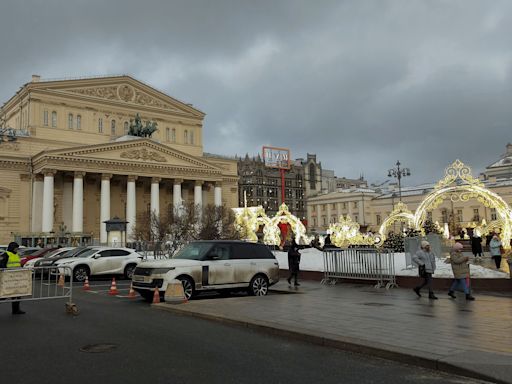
(218, 184)
(178, 181)
(79, 174)
(199, 183)
(49, 172)
(38, 177)
(132, 178)
(106, 176)
(156, 180)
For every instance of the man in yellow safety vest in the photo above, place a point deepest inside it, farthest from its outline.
(11, 259)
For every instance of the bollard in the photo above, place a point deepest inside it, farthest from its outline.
(174, 293)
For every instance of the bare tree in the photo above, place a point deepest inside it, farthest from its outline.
(217, 223)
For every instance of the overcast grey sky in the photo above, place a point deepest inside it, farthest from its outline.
(360, 83)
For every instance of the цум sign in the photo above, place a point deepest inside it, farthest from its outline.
(15, 283)
(275, 157)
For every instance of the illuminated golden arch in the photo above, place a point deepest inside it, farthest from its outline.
(272, 233)
(459, 185)
(400, 214)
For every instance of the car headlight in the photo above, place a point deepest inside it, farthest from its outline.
(161, 271)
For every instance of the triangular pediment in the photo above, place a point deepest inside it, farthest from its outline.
(136, 151)
(120, 89)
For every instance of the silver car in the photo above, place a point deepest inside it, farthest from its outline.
(210, 265)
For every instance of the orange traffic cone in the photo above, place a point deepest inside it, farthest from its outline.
(132, 294)
(156, 296)
(86, 287)
(60, 283)
(113, 288)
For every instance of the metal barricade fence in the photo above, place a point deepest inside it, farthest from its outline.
(360, 264)
(37, 284)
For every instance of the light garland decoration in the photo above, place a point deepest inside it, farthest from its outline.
(399, 214)
(346, 232)
(458, 185)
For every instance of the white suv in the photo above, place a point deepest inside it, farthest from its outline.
(102, 261)
(210, 265)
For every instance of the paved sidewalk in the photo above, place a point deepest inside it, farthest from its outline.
(471, 338)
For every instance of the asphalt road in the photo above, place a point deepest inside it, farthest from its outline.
(152, 346)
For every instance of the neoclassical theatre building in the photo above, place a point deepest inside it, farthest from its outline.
(67, 163)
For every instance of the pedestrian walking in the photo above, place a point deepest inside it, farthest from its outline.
(11, 259)
(293, 262)
(426, 261)
(476, 246)
(460, 268)
(495, 249)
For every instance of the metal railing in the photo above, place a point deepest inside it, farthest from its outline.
(360, 264)
(37, 284)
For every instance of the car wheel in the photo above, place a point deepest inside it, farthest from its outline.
(80, 273)
(128, 271)
(188, 286)
(147, 295)
(258, 286)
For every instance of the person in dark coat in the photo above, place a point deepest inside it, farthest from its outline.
(293, 262)
(476, 246)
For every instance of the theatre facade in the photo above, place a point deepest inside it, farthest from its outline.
(67, 163)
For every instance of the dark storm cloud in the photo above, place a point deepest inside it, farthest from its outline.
(360, 83)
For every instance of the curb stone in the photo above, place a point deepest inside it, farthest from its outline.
(384, 351)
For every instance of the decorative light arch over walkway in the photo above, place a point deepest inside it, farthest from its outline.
(457, 185)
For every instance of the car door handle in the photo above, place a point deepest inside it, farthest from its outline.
(227, 264)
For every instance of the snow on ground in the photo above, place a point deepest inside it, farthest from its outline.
(312, 260)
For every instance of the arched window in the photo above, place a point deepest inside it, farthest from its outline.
(173, 135)
(185, 137)
(312, 176)
(70, 121)
(54, 119)
(78, 122)
(100, 125)
(45, 118)
(126, 127)
(191, 137)
(113, 127)
(167, 134)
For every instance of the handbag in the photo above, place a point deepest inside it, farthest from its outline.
(422, 271)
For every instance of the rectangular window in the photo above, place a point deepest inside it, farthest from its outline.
(459, 215)
(173, 135)
(45, 118)
(78, 122)
(379, 220)
(476, 214)
(356, 218)
(167, 134)
(113, 127)
(493, 214)
(70, 121)
(444, 216)
(344, 205)
(355, 204)
(54, 119)
(100, 125)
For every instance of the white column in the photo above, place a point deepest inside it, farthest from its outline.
(329, 212)
(37, 203)
(131, 207)
(47, 220)
(319, 219)
(198, 194)
(217, 194)
(155, 196)
(67, 203)
(78, 202)
(176, 195)
(105, 206)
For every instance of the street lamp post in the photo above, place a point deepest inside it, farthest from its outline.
(399, 173)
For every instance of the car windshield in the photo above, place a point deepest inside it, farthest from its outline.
(193, 251)
(62, 254)
(53, 253)
(87, 253)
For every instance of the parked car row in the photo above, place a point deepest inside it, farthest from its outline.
(83, 262)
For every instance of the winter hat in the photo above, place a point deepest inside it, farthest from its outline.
(12, 246)
(457, 246)
(424, 243)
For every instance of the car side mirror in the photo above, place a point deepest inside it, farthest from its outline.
(214, 257)
(97, 256)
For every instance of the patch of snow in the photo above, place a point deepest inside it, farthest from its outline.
(312, 260)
